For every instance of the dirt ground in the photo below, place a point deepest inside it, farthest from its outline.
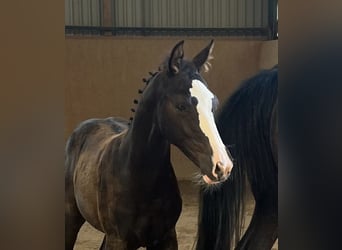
(90, 239)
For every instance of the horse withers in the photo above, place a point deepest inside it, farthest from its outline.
(119, 176)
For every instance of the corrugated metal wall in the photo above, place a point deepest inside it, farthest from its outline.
(171, 13)
(83, 12)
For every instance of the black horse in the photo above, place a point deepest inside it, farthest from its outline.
(118, 173)
(247, 123)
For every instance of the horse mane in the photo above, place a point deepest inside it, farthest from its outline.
(141, 91)
(244, 123)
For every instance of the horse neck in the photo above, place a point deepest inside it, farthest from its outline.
(147, 146)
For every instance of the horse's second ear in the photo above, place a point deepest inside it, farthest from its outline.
(176, 58)
(204, 56)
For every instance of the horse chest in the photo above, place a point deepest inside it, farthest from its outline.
(148, 220)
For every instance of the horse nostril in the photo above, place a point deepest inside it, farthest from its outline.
(219, 170)
(221, 173)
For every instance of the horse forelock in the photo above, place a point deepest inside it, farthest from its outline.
(165, 83)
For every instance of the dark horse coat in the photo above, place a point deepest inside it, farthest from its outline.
(119, 176)
(247, 122)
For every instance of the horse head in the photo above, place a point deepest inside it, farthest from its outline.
(186, 113)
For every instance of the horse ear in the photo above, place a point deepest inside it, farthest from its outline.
(202, 58)
(176, 58)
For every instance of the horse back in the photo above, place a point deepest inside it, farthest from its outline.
(90, 134)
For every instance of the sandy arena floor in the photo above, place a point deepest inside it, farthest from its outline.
(91, 239)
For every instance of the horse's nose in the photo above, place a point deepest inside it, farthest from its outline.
(221, 172)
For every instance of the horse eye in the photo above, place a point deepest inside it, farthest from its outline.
(194, 101)
(181, 107)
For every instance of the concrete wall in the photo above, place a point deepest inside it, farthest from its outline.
(104, 74)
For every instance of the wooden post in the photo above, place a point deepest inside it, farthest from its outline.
(107, 20)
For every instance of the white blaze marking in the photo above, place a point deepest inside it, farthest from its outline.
(208, 126)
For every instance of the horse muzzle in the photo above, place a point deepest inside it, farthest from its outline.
(220, 173)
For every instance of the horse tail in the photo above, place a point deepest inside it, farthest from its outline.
(244, 123)
(76, 143)
(220, 213)
(72, 150)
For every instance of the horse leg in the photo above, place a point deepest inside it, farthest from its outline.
(263, 229)
(103, 245)
(168, 243)
(73, 223)
(73, 218)
(112, 242)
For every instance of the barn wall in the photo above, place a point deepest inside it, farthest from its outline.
(268, 54)
(169, 13)
(104, 74)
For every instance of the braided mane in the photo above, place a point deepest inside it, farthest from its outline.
(141, 91)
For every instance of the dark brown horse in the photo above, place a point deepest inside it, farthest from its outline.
(248, 122)
(119, 176)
